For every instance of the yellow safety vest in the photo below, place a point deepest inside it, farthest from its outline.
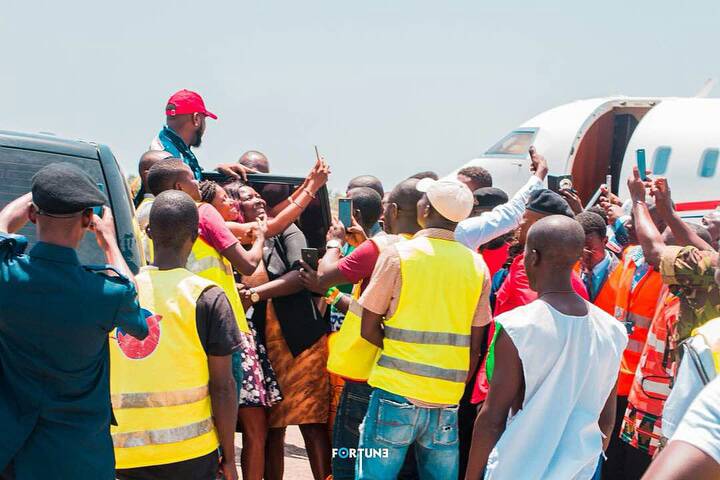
(208, 263)
(159, 385)
(146, 243)
(426, 349)
(710, 332)
(350, 355)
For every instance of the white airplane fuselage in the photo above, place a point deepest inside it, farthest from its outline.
(596, 137)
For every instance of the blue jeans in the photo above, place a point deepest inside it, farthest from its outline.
(351, 410)
(392, 424)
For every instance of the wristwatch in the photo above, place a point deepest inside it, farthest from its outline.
(254, 296)
(334, 243)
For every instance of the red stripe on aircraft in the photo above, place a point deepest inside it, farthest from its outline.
(689, 206)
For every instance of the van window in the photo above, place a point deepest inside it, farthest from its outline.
(517, 143)
(17, 167)
(708, 163)
(661, 160)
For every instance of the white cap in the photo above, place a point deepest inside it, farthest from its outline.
(452, 199)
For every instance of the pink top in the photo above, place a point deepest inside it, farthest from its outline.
(213, 230)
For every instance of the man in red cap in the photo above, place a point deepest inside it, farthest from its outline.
(184, 129)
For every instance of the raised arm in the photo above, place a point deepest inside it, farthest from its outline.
(15, 214)
(646, 232)
(298, 201)
(504, 218)
(684, 235)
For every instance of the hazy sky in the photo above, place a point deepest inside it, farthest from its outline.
(389, 88)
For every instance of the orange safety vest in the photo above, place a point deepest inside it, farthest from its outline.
(636, 307)
(651, 386)
(606, 297)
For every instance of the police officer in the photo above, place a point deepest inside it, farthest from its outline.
(55, 317)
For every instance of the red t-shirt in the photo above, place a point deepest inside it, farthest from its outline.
(516, 292)
(359, 265)
(212, 228)
(494, 259)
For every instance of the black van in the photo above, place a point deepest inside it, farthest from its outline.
(23, 154)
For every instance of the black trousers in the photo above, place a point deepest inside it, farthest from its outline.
(624, 462)
(201, 468)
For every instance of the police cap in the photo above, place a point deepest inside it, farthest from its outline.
(489, 197)
(548, 202)
(63, 189)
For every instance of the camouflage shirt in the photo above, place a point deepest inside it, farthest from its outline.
(690, 274)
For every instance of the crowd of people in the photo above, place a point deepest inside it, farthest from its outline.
(452, 331)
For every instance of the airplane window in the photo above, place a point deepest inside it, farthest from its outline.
(661, 160)
(517, 143)
(708, 163)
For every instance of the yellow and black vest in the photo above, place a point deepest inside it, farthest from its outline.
(159, 385)
(426, 349)
(208, 263)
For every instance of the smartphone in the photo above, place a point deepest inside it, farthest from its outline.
(101, 209)
(608, 183)
(317, 154)
(345, 208)
(310, 256)
(641, 164)
(560, 182)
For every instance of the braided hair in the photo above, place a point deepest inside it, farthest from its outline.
(208, 189)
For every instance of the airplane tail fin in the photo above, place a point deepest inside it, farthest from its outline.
(706, 88)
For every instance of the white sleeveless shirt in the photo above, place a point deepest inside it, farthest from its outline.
(570, 365)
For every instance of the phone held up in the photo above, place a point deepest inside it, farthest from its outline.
(560, 182)
(641, 163)
(345, 208)
(311, 257)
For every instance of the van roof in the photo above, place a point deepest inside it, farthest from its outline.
(48, 143)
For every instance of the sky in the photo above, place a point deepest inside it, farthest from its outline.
(384, 88)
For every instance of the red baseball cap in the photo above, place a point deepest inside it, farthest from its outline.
(184, 102)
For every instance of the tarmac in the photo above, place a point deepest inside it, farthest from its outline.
(297, 466)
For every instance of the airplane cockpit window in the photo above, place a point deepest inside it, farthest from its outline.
(661, 160)
(708, 163)
(517, 143)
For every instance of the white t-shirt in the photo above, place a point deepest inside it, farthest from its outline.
(701, 424)
(570, 365)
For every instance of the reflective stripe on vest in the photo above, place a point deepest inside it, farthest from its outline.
(656, 388)
(199, 264)
(159, 386)
(422, 370)
(161, 436)
(428, 338)
(158, 399)
(426, 352)
(208, 263)
(639, 321)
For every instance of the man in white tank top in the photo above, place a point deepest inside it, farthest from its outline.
(553, 369)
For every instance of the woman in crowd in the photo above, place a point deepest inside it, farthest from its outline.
(296, 343)
(294, 332)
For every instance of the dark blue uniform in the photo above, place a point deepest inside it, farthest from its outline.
(55, 318)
